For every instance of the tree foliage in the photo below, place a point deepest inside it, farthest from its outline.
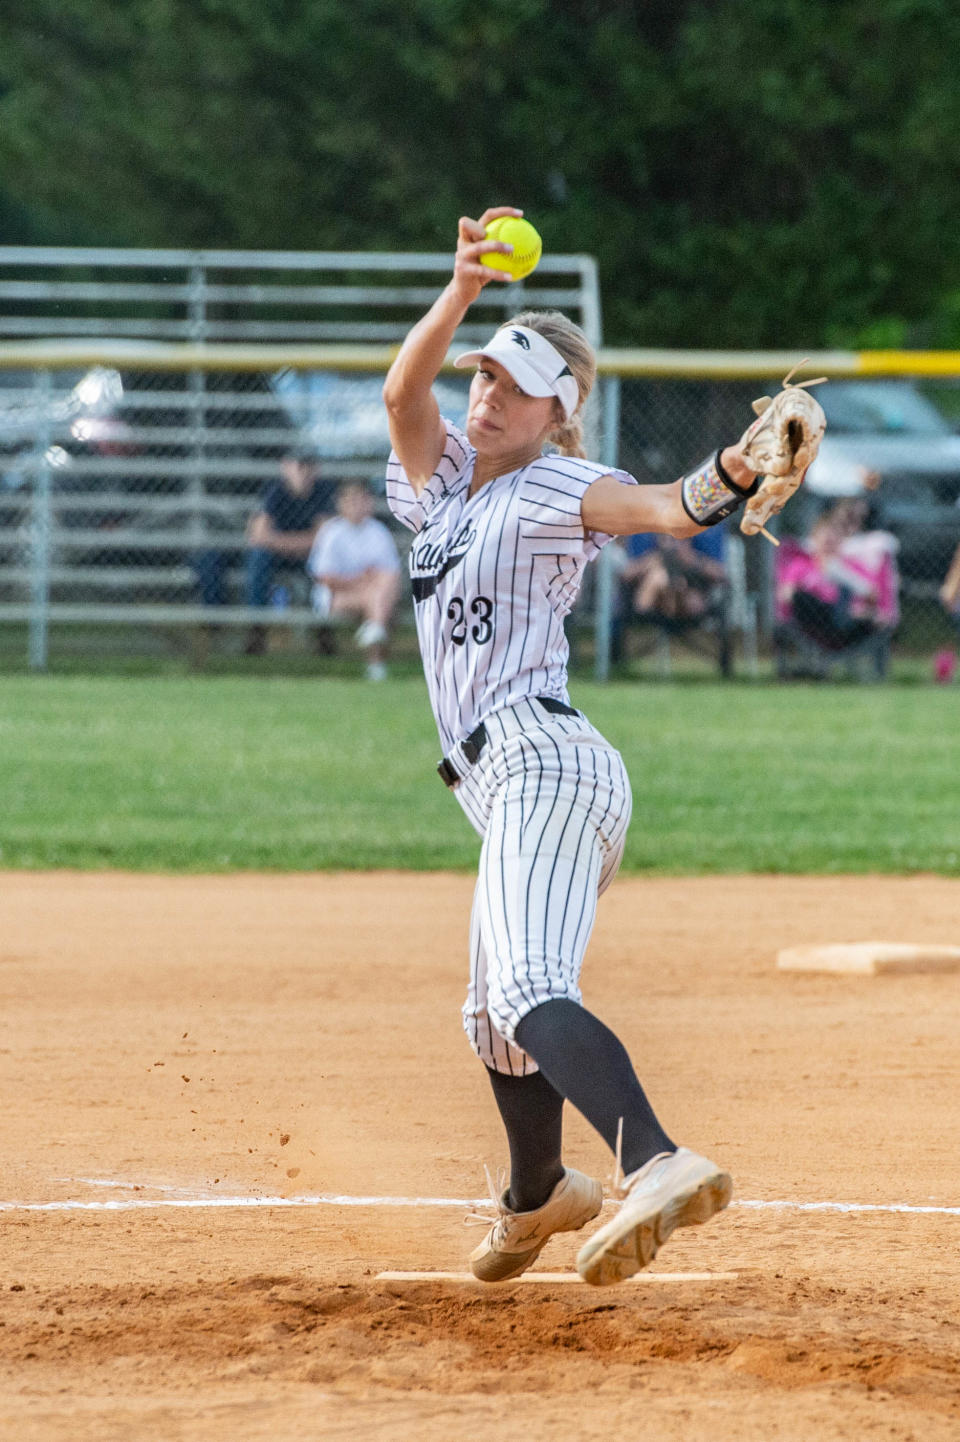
(748, 172)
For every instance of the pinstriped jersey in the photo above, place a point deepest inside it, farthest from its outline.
(493, 575)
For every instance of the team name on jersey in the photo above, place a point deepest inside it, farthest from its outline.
(431, 560)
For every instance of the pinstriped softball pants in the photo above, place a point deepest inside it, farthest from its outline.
(551, 799)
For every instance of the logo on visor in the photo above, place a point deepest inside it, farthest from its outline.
(518, 338)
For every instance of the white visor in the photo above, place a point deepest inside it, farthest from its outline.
(537, 367)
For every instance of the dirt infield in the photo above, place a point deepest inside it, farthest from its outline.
(175, 1047)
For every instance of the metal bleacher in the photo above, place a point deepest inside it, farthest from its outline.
(147, 397)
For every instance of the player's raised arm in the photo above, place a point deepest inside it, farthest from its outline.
(416, 430)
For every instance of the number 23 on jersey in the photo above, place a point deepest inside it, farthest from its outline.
(475, 620)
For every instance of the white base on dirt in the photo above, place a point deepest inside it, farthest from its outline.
(870, 958)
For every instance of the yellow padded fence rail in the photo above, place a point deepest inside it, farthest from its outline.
(692, 364)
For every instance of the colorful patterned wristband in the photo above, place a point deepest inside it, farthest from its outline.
(709, 496)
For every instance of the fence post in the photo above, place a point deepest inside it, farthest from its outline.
(196, 390)
(604, 594)
(41, 526)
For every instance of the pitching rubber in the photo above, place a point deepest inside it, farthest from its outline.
(691, 1191)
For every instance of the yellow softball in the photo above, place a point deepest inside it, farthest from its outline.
(527, 246)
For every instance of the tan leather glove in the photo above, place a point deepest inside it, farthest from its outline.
(780, 446)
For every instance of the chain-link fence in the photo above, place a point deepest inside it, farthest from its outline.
(127, 486)
(127, 491)
(861, 579)
(115, 481)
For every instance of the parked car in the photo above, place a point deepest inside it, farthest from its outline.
(68, 420)
(887, 441)
(343, 416)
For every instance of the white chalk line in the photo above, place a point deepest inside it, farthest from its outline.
(787, 1206)
(183, 1199)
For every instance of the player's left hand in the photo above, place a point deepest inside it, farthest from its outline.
(780, 446)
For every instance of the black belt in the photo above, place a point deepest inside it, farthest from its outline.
(473, 744)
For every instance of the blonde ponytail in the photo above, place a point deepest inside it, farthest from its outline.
(568, 437)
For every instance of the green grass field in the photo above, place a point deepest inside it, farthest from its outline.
(228, 773)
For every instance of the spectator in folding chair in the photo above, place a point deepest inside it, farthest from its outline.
(677, 586)
(836, 594)
(945, 661)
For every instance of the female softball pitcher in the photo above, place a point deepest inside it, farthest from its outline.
(503, 533)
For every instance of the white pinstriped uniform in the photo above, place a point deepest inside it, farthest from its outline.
(493, 576)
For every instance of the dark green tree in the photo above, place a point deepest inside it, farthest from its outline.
(747, 172)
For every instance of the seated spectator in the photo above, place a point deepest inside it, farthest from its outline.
(282, 530)
(945, 661)
(840, 587)
(355, 569)
(673, 579)
(873, 554)
(950, 590)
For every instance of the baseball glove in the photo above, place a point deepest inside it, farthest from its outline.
(779, 446)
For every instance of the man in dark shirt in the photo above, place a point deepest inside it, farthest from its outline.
(281, 531)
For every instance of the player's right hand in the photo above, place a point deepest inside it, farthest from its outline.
(469, 276)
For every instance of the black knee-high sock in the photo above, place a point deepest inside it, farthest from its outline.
(532, 1113)
(589, 1066)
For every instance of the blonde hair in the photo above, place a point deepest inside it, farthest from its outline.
(566, 337)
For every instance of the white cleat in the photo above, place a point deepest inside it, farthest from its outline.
(516, 1239)
(673, 1189)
